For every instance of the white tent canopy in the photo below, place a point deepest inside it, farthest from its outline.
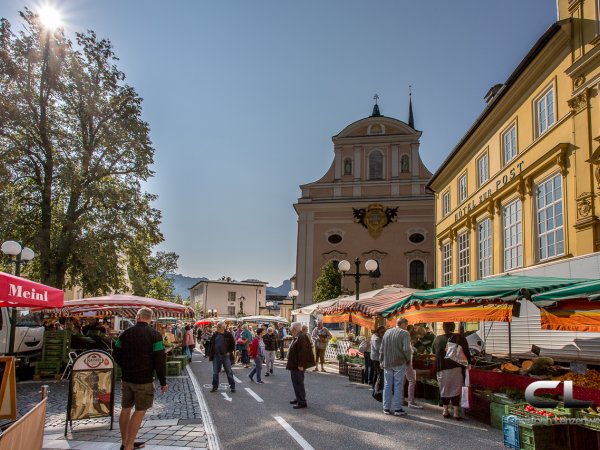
(315, 307)
(260, 319)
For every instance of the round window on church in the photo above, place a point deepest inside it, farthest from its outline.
(416, 238)
(334, 238)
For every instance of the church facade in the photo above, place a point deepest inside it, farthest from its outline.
(370, 204)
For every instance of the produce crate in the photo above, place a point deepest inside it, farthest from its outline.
(173, 368)
(480, 408)
(510, 428)
(356, 374)
(343, 367)
(497, 412)
(431, 390)
(543, 437)
(592, 421)
(518, 409)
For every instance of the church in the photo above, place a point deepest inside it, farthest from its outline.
(372, 203)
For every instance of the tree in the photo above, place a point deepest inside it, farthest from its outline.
(74, 151)
(151, 276)
(329, 283)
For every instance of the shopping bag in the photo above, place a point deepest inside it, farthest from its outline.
(188, 353)
(465, 401)
(378, 386)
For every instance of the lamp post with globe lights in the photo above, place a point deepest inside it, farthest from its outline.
(293, 294)
(22, 255)
(372, 271)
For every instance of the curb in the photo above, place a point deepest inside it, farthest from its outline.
(211, 435)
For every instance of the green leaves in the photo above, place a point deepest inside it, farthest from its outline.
(74, 151)
(329, 283)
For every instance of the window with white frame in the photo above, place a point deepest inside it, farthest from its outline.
(509, 144)
(446, 203)
(231, 310)
(446, 264)
(462, 188)
(512, 221)
(463, 257)
(483, 169)
(231, 296)
(550, 229)
(544, 111)
(484, 240)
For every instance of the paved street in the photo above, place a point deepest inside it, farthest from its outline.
(340, 414)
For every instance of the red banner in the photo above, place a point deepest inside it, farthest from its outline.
(20, 292)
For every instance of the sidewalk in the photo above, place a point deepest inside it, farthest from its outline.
(173, 423)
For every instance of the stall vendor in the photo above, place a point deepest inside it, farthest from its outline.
(424, 340)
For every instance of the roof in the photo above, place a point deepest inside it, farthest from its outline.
(531, 55)
(242, 283)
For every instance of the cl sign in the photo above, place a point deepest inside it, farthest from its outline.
(570, 402)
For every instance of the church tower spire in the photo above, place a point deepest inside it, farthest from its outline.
(411, 118)
(376, 112)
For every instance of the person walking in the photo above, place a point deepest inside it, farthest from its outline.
(452, 355)
(365, 349)
(394, 355)
(189, 342)
(206, 339)
(411, 374)
(140, 352)
(257, 353)
(220, 352)
(270, 341)
(320, 337)
(300, 358)
(245, 341)
(375, 346)
(281, 335)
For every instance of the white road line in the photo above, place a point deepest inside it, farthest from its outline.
(299, 439)
(253, 394)
(237, 380)
(227, 397)
(209, 428)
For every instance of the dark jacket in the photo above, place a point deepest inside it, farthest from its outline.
(270, 341)
(439, 347)
(140, 351)
(229, 342)
(300, 353)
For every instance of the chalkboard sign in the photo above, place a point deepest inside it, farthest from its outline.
(8, 388)
(91, 390)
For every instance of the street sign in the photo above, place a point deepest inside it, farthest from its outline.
(91, 388)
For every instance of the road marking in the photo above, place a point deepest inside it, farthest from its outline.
(299, 439)
(227, 397)
(253, 394)
(237, 380)
(211, 434)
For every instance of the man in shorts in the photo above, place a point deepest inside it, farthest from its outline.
(140, 352)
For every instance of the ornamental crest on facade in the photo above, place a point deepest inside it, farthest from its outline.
(375, 218)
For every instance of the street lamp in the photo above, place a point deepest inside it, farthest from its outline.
(371, 266)
(293, 294)
(22, 255)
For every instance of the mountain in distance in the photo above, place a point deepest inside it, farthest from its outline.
(182, 285)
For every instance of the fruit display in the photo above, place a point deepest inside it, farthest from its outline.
(551, 416)
(541, 366)
(590, 379)
(527, 364)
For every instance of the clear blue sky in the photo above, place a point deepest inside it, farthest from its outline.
(243, 97)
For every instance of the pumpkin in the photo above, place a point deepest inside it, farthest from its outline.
(527, 364)
(510, 368)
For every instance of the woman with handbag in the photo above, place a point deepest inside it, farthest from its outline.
(452, 356)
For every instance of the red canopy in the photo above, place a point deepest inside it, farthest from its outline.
(20, 292)
(126, 304)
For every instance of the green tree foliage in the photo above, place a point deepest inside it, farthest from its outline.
(74, 151)
(150, 276)
(328, 285)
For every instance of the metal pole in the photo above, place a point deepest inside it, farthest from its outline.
(13, 318)
(509, 343)
(45, 391)
(357, 276)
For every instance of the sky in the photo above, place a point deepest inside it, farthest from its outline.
(243, 97)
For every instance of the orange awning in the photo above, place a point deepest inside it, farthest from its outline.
(572, 315)
(362, 320)
(453, 312)
(337, 318)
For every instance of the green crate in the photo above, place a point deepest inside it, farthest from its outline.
(173, 368)
(544, 437)
(592, 420)
(183, 360)
(497, 411)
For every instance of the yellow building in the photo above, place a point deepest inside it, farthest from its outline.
(520, 190)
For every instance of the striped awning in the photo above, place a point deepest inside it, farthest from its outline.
(372, 303)
(121, 305)
(455, 312)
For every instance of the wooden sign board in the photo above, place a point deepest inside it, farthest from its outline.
(8, 388)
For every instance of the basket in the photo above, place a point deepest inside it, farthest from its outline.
(356, 374)
(543, 437)
(591, 421)
(343, 367)
(510, 428)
